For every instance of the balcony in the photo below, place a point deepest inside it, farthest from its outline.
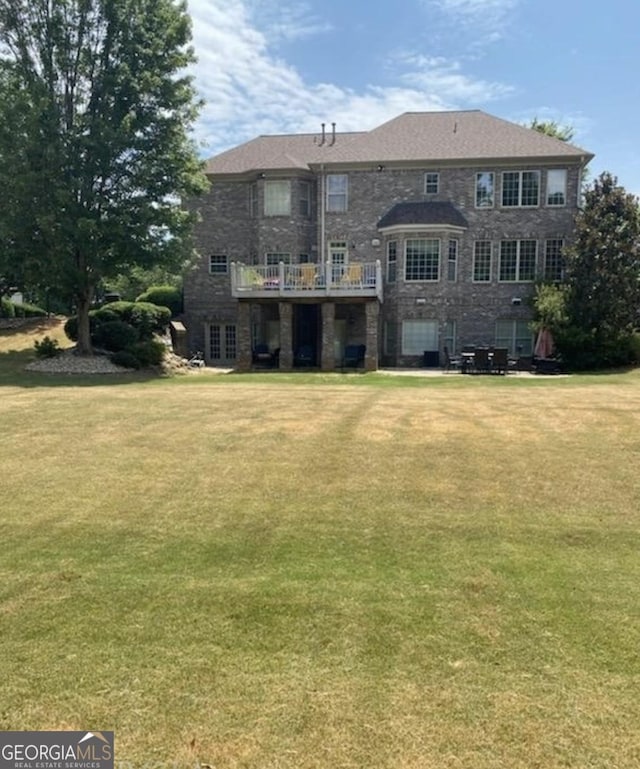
(306, 281)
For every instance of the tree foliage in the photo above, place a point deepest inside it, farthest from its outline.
(603, 276)
(552, 128)
(95, 152)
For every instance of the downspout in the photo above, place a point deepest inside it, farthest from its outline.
(322, 221)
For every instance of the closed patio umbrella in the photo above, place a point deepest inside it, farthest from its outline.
(544, 344)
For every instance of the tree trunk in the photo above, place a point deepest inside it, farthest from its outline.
(83, 346)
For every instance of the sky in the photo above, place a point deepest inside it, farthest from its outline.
(286, 66)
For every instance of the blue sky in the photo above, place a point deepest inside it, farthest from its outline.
(280, 66)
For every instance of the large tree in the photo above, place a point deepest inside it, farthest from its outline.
(95, 150)
(603, 269)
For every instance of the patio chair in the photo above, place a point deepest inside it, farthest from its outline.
(353, 355)
(451, 361)
(304, 356)
(500, 360)
(481, 364)
(262, 356)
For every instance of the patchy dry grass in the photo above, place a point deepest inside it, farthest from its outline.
(253, 573)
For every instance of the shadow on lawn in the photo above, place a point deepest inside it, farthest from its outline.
(14, 374)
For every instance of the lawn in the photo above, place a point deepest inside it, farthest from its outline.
(332, 571)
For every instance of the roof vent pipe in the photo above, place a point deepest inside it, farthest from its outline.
(333, 134)
(322, 139)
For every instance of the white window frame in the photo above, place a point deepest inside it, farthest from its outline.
(485, 195)
(553, 271)
(418, 336)
(430, 242)
(218, 264)
(476, 257)
(515, 335)
(392, 261)
(450, 335)
(273, 258)
(521, 175)
(337, 195)
(452, 260)
(518, 260)
(277, 197)
(556, 186)
(431, 180)
(223, 342)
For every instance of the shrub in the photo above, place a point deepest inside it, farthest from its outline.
(144, 317)
(148, 352)
(114, 335)
(126, 359)
(149, 318)
(582, 351)
(7, 308)
(163, 296)
(47, 348)
(26, 310)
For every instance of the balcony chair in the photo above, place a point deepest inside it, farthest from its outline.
(352, 275)
(308, 275)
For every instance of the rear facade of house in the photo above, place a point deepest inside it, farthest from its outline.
(424, 234)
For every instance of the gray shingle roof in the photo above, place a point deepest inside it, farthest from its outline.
(424, 137)
(442, 213)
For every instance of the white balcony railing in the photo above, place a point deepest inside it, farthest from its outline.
(299, 280)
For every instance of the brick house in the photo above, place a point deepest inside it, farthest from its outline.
(424, 233)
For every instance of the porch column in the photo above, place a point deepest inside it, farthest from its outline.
(243, 353)
(328, 358)
(286, 335)
(372, 311)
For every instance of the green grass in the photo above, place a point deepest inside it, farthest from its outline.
(324, 571)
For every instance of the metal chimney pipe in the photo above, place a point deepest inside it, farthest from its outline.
(333, 133)
(322, 139)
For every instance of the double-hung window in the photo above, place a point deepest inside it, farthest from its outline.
(277, 198)
(484, 189)
(553, 260)
(337, 192)
(422, 260)
(452, 261)
(520, 188)
(482, 261)
(557, 187)
(431, 183)
(517, 260)
(392, 260)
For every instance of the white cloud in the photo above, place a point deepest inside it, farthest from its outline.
(286, 21)
(487, 21)
(248, 90)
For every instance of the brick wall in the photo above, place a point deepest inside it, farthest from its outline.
(228, 227)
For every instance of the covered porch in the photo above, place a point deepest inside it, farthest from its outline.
(307, 334)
